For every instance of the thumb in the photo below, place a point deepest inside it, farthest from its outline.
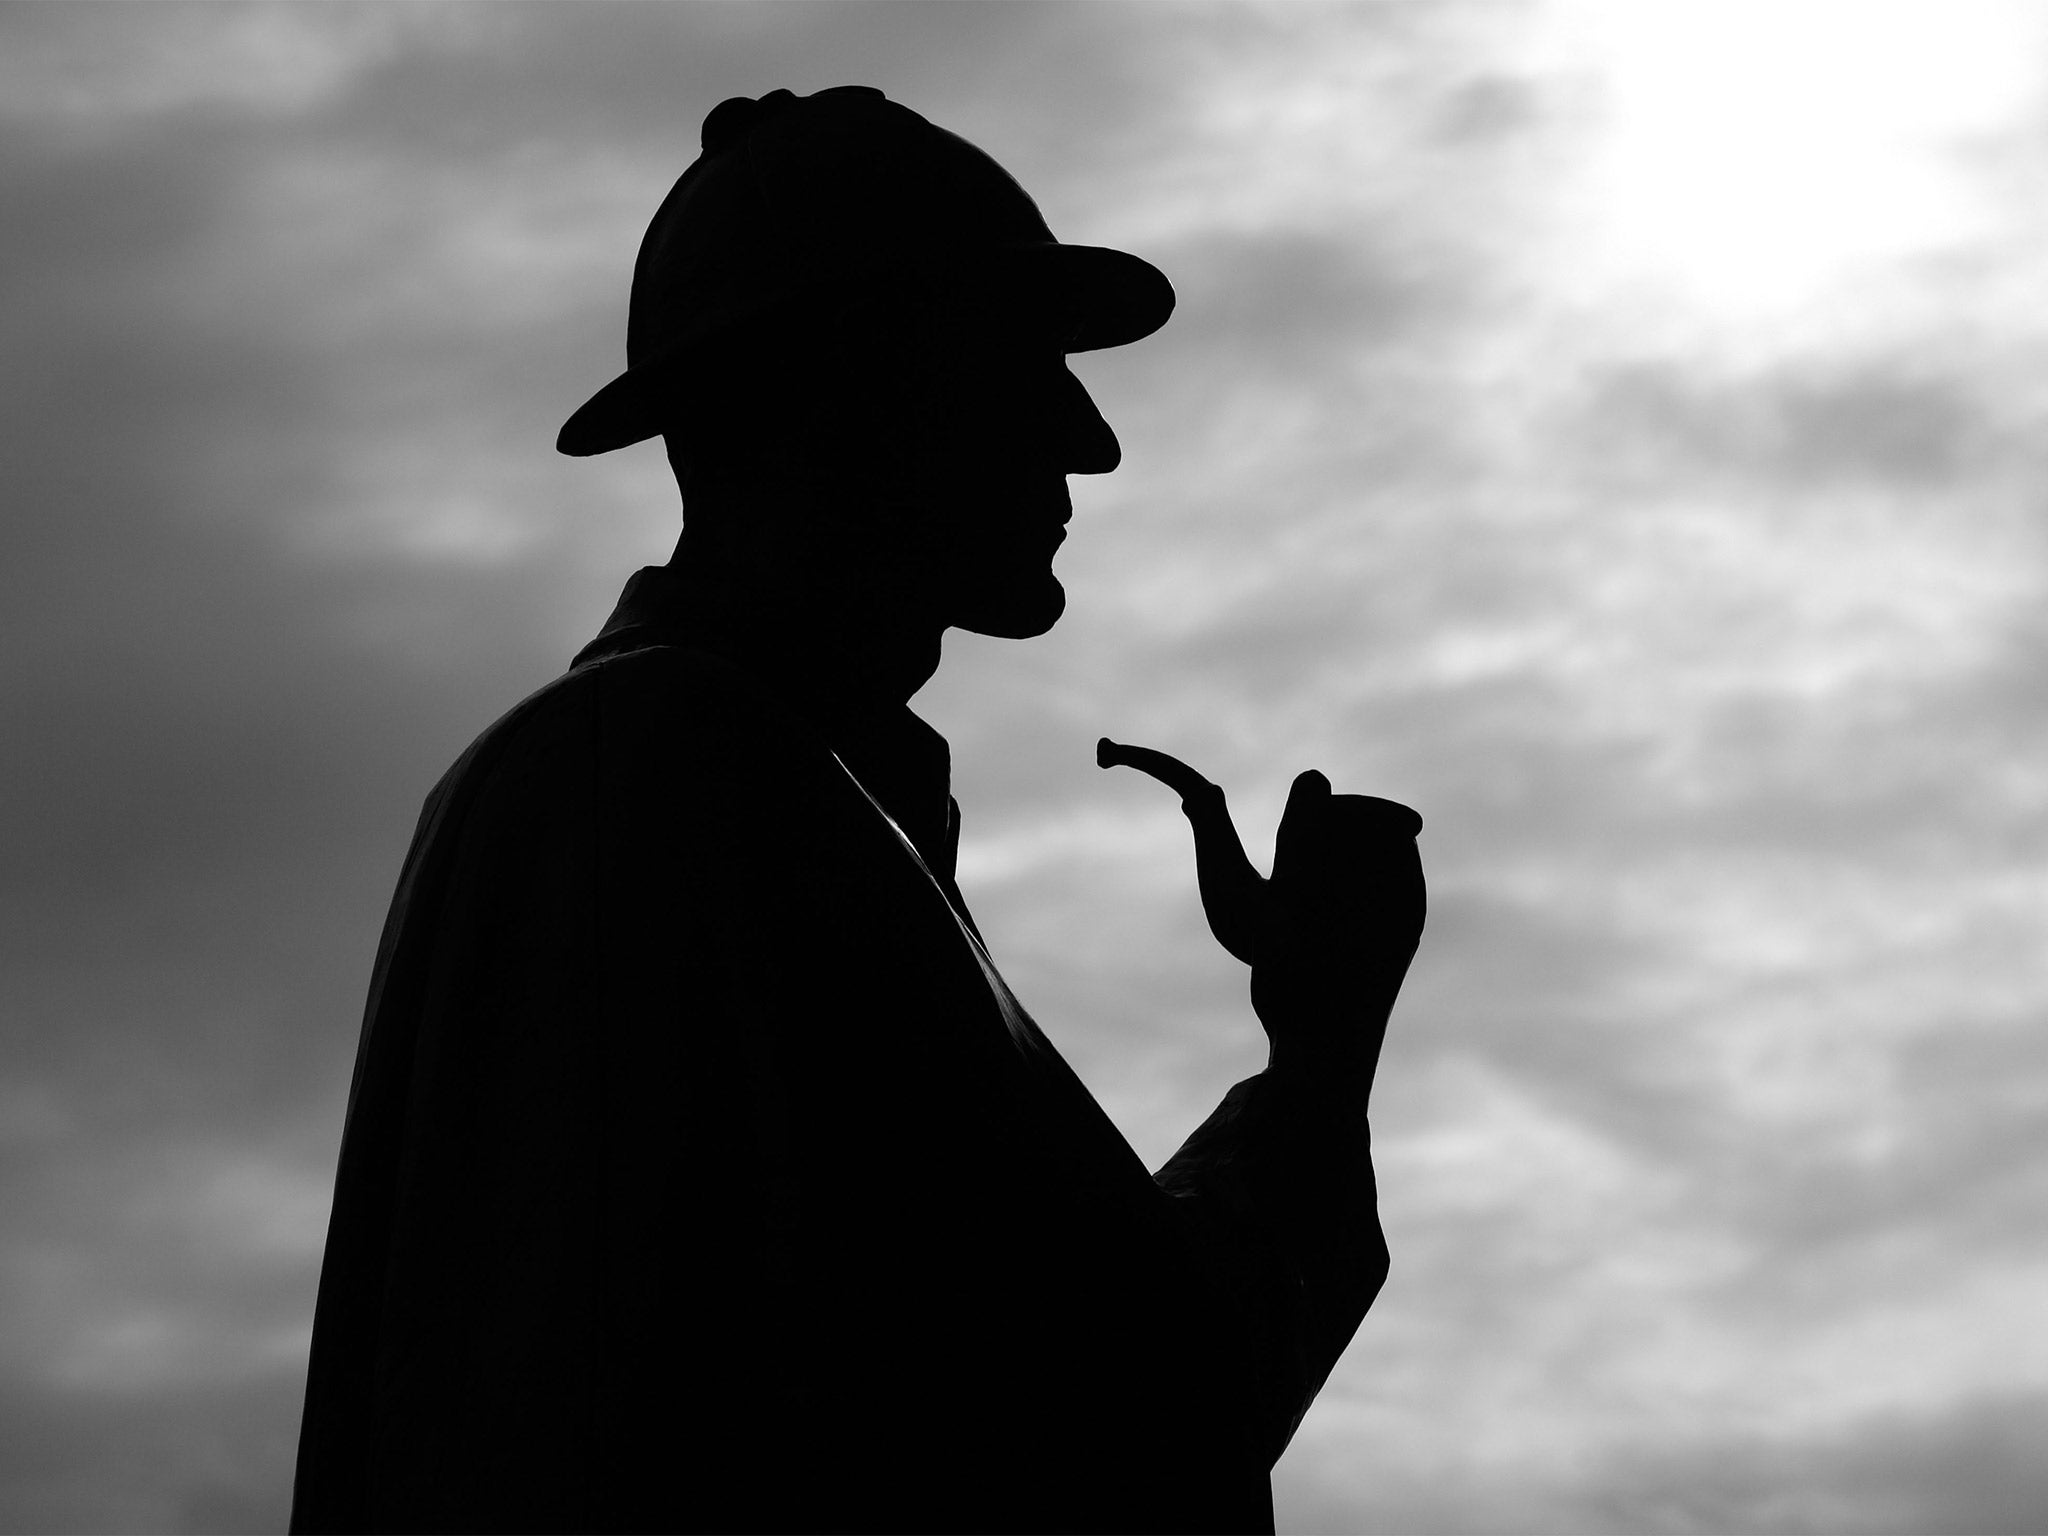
(1310, 793)
(1301, 823)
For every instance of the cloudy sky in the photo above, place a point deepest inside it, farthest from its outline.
(1614, 429)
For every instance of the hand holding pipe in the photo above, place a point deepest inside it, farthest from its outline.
(1347, 880)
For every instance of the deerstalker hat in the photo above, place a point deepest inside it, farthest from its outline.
(842, 192)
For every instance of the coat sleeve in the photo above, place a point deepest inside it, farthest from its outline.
(1277, 1188)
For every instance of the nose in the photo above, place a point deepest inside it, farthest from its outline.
(1088, 446)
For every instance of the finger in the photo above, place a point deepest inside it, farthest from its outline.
(1297, 845)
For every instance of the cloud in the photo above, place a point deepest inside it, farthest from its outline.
(219, 1461)
(1969, 1468)
(1708, 649)
(96, 72)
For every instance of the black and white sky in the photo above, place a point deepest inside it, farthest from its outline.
(1615, 429)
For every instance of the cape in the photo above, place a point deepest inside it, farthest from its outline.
(700, 1171)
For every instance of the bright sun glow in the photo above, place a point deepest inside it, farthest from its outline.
(1751, 156)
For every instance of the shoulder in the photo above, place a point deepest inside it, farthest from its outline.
(659, 758)
(656, 781)
(653, 714)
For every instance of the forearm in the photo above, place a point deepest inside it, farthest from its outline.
(1278, 1182)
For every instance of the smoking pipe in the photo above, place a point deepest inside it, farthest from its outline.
(1233, 893)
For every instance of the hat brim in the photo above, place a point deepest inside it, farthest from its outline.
(1113, 297)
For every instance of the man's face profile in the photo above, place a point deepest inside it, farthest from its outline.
(977, 421)
(932, 437)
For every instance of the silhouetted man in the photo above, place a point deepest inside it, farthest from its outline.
(700, 1170)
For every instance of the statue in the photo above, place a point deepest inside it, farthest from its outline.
(700, 1171)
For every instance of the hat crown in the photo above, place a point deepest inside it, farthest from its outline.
(794, 194)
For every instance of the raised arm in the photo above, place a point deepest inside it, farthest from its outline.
(1278, 1182)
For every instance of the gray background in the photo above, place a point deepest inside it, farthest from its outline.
(1613, 429)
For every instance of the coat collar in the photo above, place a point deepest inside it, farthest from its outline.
(898, 758)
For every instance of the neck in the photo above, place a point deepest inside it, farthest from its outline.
(799, 595)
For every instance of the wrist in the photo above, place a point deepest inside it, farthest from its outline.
(1344, 1074)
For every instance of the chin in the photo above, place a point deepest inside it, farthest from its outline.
(1023, 612)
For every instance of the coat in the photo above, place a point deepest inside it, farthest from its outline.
(700, 1170)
